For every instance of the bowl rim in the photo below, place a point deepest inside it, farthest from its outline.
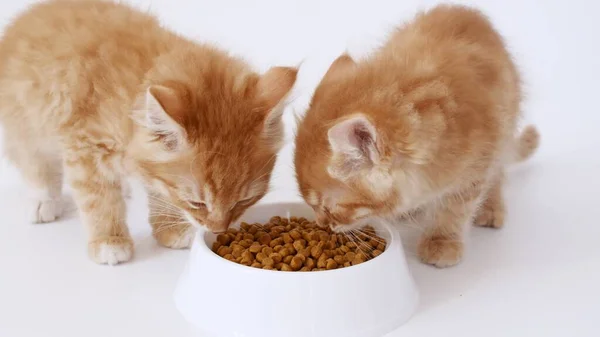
(201, 245)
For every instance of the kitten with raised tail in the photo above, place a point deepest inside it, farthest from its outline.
(423, 128)
(101, 91)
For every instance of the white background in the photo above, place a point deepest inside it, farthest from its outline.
(539, 276)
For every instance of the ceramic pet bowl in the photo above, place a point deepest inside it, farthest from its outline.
(221, 298)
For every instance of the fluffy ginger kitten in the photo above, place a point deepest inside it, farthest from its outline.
(102, 91)
(423, 128)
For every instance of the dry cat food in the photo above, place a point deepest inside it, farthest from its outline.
(296, 244)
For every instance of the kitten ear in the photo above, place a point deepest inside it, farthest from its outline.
(273, 88)
(353, 142)
(161, 103)
(342, 66)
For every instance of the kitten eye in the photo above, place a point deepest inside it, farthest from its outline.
(196, 204)
(245, 201)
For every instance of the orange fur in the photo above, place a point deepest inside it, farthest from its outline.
(105, 90)
(424, 126)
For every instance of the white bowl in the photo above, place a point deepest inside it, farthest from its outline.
(226, 299)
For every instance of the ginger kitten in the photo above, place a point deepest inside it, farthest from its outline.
(424, 127)
(102, 91)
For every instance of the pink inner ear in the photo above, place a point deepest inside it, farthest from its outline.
(353, 135)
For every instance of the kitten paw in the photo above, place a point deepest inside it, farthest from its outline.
(111, 250)
(175, 236)
(440, 251)
(46, 210)
(488, 217)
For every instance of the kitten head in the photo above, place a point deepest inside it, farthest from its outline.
(356, 146)
(210, 131)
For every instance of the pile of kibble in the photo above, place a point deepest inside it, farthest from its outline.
(296, 244)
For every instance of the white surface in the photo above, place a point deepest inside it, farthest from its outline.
(538, 276)
(388, 295)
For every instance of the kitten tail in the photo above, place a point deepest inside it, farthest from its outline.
(527, 143)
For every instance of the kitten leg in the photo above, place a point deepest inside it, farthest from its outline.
(98, 195)
(442, 245)
(169, 228)
(492, 211)
(43, 174)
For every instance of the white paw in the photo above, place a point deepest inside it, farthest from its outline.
(46, 210)
(111, 250)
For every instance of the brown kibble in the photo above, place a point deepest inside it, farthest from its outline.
(324, 236)
(216, 245)
(306, 236)
(237, 253)
(295, 234)
(290, 248)
(299, 245)
(315, 236)
(224, 250)
(284, 252)
(260, 257)
(276, 242)
(255, 248)
(267, 251)
(276, 257)
(316, 252)
(267, 261)
(265, 239)
(246, 243)
(276, 219)
(296, 263)
(376, 253)
(287, 238)
(359, 258)
(223, 239)
(229, 257)
(350, 256)
(296, 245)
(247, 255)
(331, 264)
(322, 261)
(306, 251)
(339, 259)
